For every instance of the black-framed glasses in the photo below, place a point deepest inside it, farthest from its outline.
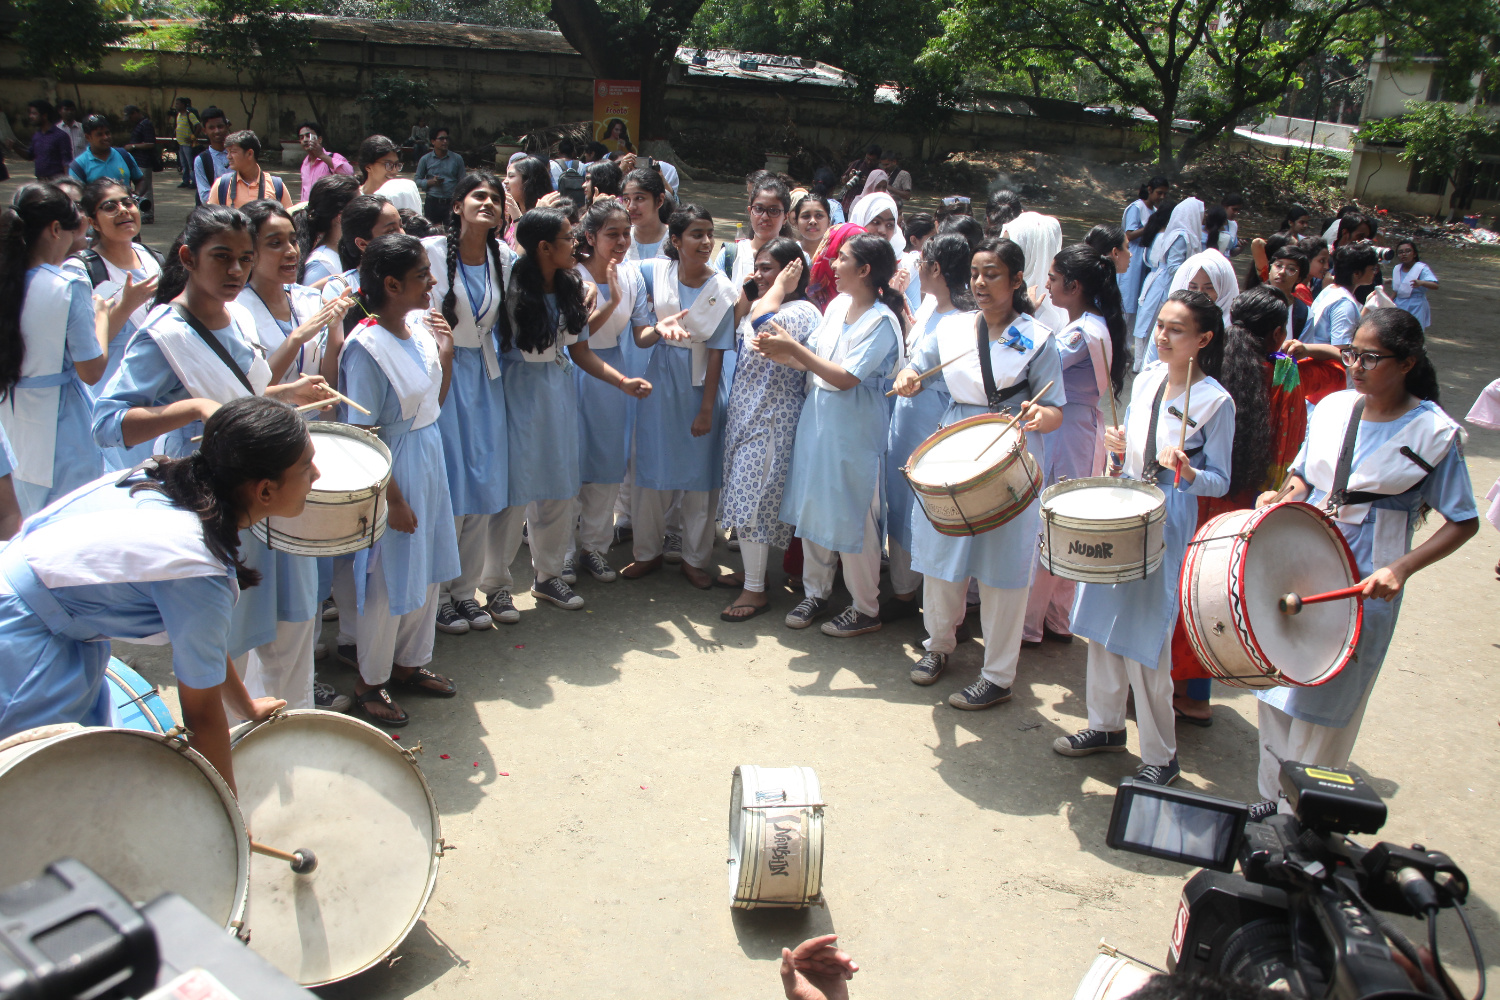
(1363, 360)
(769, 211)
(112, 205)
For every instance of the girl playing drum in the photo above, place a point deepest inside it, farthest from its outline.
(1404, 455)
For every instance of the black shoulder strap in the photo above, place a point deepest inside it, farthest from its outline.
(995, 398)
(93, 263)
(1346, 456)
(1149, 466)
(156, 255)
(213, 343)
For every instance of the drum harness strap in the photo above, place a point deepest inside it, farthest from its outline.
(1341, 495)
(213, 344)
(994, 397)
(1149, 466)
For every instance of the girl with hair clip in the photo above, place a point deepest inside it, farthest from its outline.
(379, 163)
(1182, 237)
(1406, 458)
(764, 406)
(678, 441)
(944, 278)
(1016, 359)
(319, 227)
(397, 364)
(604, 405)
(1270, 411)
(833, 490)
(1109, 241)
(1133, 222)
(1129, 625)
(54, 340)
(811, 220)
(1040, 238)
(471, 267)
(181, 522)
(1091, 348)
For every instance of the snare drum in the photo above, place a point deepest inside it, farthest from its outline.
(143, 810)
(137, 704)
(1102, 529)
(775, 838)
(346, 510)
(320, 781)
(1238, 567)
(967, 481)
(1111, 979)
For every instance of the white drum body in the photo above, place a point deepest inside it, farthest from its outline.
(346, 510)
(967, 481)
(1111, 979)
(1103, 530)
(1238, 567)
(140, 808)
(341, 788)
(775, 838)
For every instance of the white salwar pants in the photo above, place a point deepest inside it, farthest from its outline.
(383, 638)
(649, 512)
(478, 536)
(596, 518)
(1285, 738)
(1001, 613)
(903, 579)
(861, 569)
(502, 542)
(756, 557)
(1050, 604)
(549, 531)
(1111, 677)
(283, 668)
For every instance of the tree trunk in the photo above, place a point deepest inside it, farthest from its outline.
(653, 75)
(1165, 158)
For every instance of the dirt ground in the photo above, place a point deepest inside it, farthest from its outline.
(591, 752)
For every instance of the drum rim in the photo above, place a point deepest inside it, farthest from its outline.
(1063, 486)
(237, 918)
(338, 498)
(140, 696)
(244, 731)
(815, 825)
(942, 433)
(282, 541)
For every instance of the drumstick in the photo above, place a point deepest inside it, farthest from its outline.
(1014, 419)
(340, 395)
(1114, 421)
(1187, 403)
(1290, 604)
(302, 860)
(934, 371)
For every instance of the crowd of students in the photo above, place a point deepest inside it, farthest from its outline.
(570, 365)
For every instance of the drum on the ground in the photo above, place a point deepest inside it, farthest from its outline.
(1102, 529)
(1111, 979)
(320, 781)
(775, 838)
(1236, 570)
(138, 704)
(143, 810)
(968, 481)
(346, 510)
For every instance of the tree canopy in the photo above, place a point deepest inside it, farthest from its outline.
(1442, 139)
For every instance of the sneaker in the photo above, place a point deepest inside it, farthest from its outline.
(929, 668)
(598, 567)
(330, 611)
(980, 694)
(1087, 741)
(851, 622)
(1159, 774)
(329, 700)
(502, 609)
(320, 651)
(895, 609)
(734, 539)
(807, 611)
(671, 549)
(450, 621)
(347, 655)
(623, 533)
(470, 610)
(570, 571)
(526, 535)
(558, 592)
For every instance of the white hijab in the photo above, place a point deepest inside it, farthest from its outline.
(872, 205)
(1219, 271)
(1040, 238)
(1186, 218)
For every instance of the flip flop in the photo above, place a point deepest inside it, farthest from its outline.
(420, 680)
(729, 582)
(1193, 720)
(380, 694)
(760, 609)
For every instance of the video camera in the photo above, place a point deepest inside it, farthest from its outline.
(1306, 913)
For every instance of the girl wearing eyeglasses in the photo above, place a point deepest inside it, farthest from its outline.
(770, 208)
(1406, 459)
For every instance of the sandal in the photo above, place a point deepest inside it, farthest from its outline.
(383, 696)
(730, 581)
(424, 681)
(1192, 720)
(756, 609)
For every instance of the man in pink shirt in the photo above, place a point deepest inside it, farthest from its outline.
(319, 162)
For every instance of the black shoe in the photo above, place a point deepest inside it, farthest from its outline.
(450, 621)
(929, 668)
(502, 609)
(896, 609)
(558, 592)
(807, 611)
(1159, 774)
(1087, 741)
(1051, 636)
(851, 622)
(347, 655)
(470, 611)
(980, 694)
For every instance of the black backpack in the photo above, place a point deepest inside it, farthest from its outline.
(570, 182)
(97, 271)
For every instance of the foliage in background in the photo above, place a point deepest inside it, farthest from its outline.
(392, 101)
(262, 42)
(1441, 139)
(493, 13)
(65, 39)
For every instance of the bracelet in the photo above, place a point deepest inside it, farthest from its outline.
(623, 379)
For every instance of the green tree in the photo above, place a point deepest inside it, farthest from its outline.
(1441, 138)
(65, 39)
(391, 100)
(263, 42)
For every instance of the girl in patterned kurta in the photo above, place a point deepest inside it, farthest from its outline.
(763, 409)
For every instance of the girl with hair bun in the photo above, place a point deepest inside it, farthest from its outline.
(1407, 458)
(1129, 625)
(833, 490)
(1019, 361)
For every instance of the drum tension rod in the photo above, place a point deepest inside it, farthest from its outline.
(302, 860)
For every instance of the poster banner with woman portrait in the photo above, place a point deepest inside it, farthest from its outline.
(617, 114)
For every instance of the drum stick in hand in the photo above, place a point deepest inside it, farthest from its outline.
(1014, 420)
(1114, 421)
(1187, 403)
(1290, 604)
(933, 371)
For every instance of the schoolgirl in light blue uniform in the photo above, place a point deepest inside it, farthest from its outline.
(1180, 239)
(1134, 219)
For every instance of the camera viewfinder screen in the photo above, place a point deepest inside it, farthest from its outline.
(1177, 826)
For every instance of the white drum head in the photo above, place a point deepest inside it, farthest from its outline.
(954, 458)
(1292, 550)
(1103, 503)
(342, 789)
(147, 816)
(345, 463)
(1111, 979)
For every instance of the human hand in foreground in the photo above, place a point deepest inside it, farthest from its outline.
(816, 970)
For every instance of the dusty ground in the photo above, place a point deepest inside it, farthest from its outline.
(591, 755)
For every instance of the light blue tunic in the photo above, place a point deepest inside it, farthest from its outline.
(1446, 490)
(1002, 557)
(914, 419)
(541, 413)
(1136, 216)
(7, 457)
(667, 456)
(1336, 325)
(430, 554)
(322, 262)
(473, 416)
(47, 678)
(1068, 452)
(1416, 301)
(840, 445)
(1153, 297)
(604, 412)
(1135, 619)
